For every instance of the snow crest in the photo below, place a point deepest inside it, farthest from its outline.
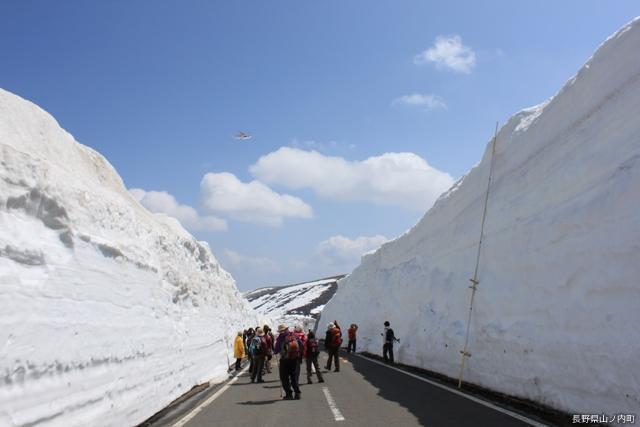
(556, 312)
(107, 311)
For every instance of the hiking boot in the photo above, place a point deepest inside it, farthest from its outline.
(321, 380)
(297, 396)
(336, 370)
(309, 381)
(260, 381)
(287, 397)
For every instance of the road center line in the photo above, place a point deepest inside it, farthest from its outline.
(459, 393)
(337, 415)
(207, 402)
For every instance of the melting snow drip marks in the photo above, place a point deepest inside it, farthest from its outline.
(26, 370)
(45, 208)
(26, 257)
(110, 251)
(52, 214)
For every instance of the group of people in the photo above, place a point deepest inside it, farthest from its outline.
(292, 347)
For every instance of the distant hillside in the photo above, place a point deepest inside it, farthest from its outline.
(300, 303)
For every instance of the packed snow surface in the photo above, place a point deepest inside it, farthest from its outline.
(555, 318)
(107, 311)
(298, 304)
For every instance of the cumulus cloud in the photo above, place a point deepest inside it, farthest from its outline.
(400, 179)
(343, 249)
(425, 101)
(448, 52)
(163, 202)
(223, 193)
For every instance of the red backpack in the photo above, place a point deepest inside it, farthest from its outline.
(336, 338)
(291, 347)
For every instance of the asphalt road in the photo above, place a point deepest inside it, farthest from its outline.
(363, 393)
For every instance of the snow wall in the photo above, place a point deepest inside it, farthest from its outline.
(107, 311)
(556, 314)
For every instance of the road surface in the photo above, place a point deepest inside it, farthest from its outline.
(364, 393)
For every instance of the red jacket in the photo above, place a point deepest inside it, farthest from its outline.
(352, 333)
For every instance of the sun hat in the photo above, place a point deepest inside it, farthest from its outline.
(282, 328)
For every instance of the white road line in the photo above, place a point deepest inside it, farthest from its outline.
(207, 402)
(459, 393)
(337, 415)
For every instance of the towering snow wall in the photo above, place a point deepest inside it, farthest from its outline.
(107, 311)
(556, 314)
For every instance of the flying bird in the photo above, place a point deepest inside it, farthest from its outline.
(241, 136)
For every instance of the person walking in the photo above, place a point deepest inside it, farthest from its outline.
(311, 353)
(268, 336)
(389, 338)
(300, 335)
(258, 351)
(250, 335)
(351, 345)
(333, 340)
(289, 348)
(238, 350)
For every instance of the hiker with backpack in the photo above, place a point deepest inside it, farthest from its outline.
(389, 338)
(332, 342)
(258, 352)
(289, 348)
(268, 336)
(352, 338)
(311, 353)
(250, 335)
(238, 350)
(300, 335)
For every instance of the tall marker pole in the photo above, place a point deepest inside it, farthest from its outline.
(474, 281)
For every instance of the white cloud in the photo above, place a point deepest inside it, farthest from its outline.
(163, 202)
(321, 145)
(235, 260)
(449, 52)
(400, 179)
(425, 101)
(343, 249)
(253, 202)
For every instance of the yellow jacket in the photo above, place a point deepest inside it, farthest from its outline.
(238, 348)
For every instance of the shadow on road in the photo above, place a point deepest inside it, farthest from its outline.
(429, 404)
(259, 402)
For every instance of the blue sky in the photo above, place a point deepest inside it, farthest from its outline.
(160, 87)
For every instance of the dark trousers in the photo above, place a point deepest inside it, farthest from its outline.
(350, 345)
(238, 364)
(288, 376)
(387, 352)
(333, 355)
(258, 362)
(250, 364)
(313, 360)
(298, 370)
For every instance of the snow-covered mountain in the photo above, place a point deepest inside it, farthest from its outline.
(556, 314)
(300, 303)
(107, 311)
